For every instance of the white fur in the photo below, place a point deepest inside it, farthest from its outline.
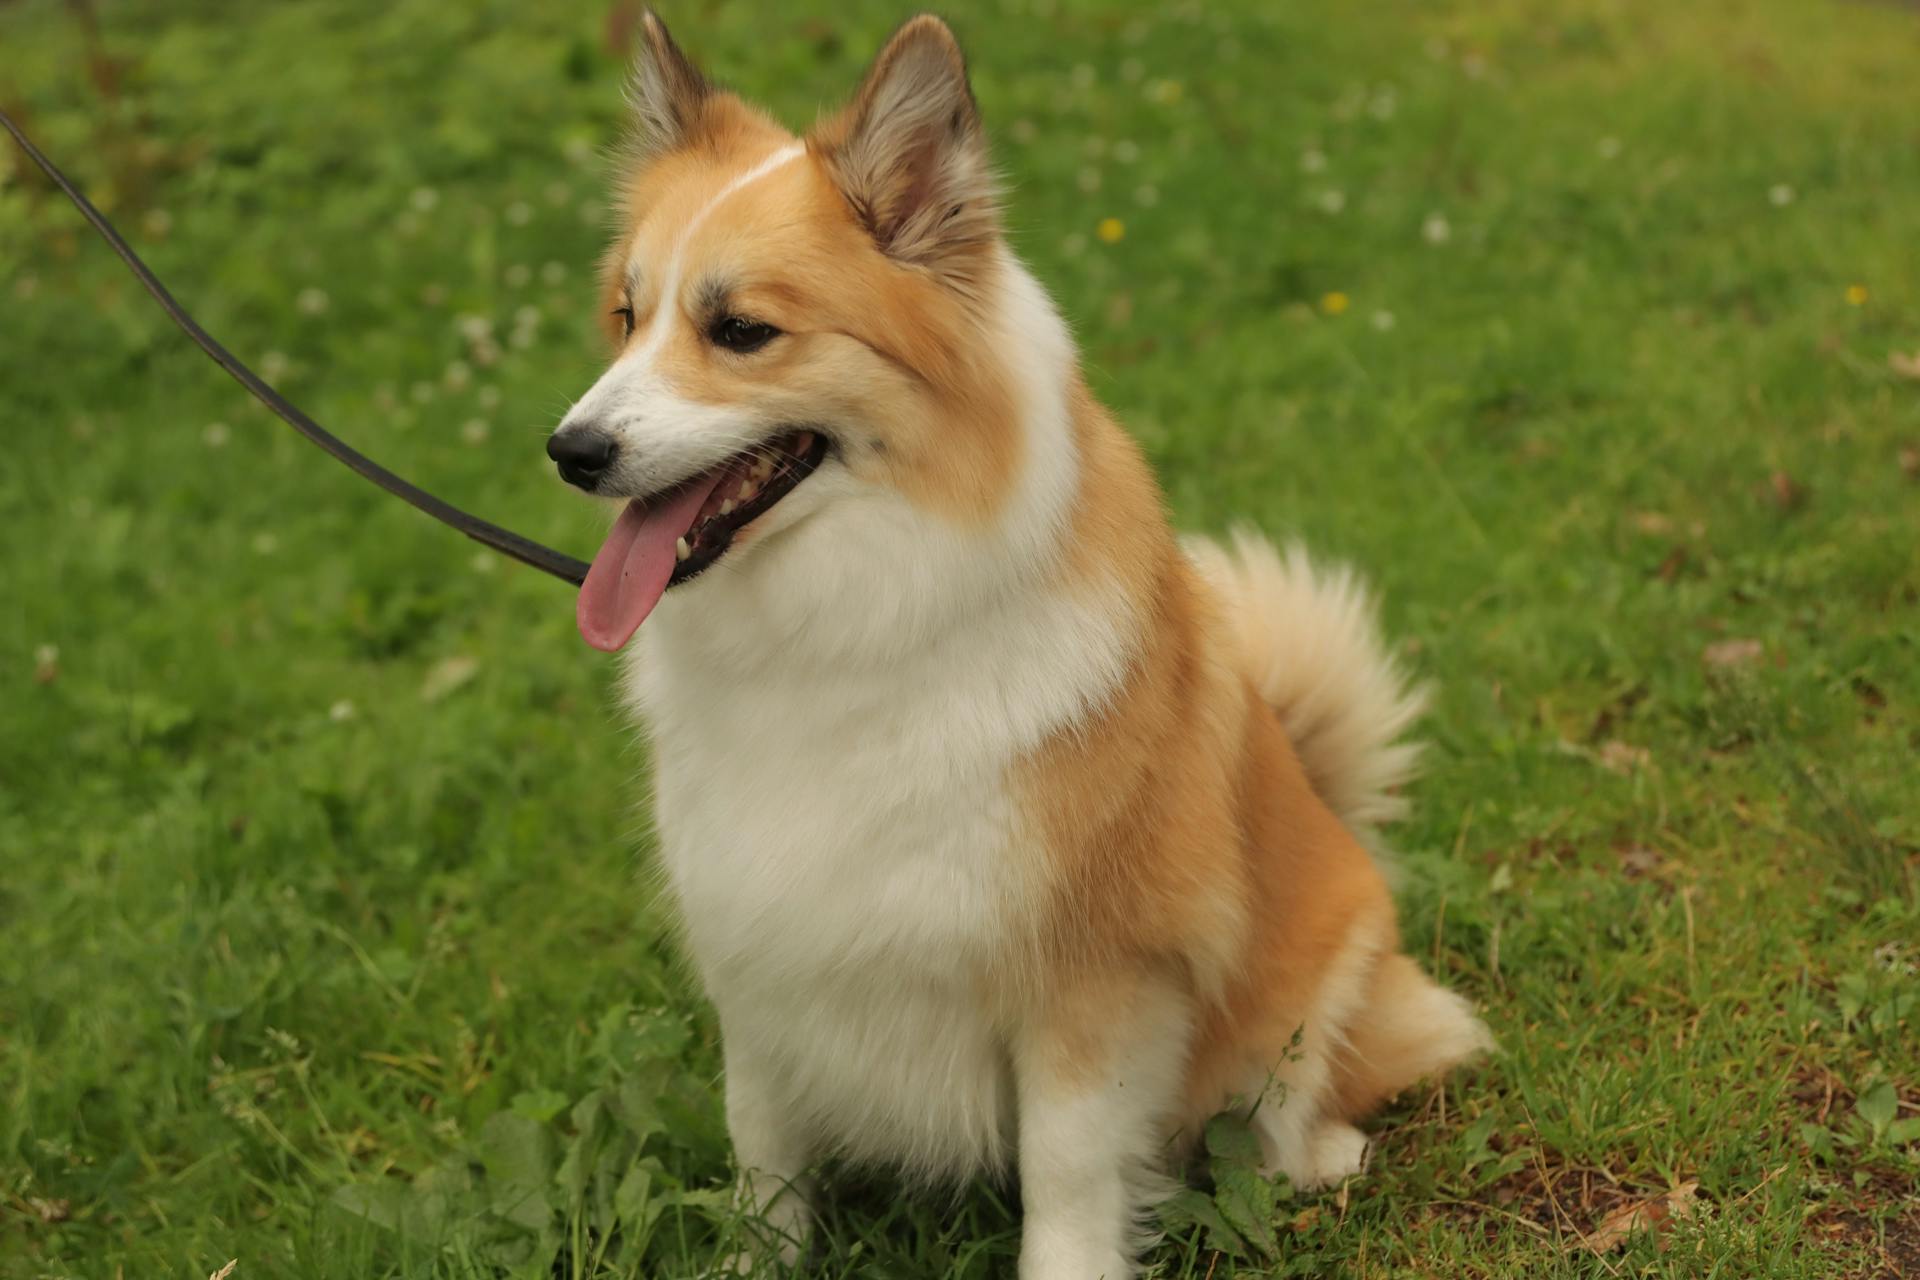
(1090, 1147)
(834, 708)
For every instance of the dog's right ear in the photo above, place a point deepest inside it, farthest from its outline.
(669, 93)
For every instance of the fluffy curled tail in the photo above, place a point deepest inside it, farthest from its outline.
(1313, 649)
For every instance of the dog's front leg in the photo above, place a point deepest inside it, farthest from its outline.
(1099, 1073)
(770, 1152)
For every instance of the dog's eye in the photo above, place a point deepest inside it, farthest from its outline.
(626, 320)
(741, 336)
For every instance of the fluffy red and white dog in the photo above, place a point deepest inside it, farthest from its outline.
(1006, 829)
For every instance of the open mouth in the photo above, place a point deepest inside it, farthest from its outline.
(672, 536)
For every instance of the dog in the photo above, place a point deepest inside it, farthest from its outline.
(1007, 832)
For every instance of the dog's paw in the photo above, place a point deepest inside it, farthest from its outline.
(1334, 1152)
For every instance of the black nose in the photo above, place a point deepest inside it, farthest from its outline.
(583, 455)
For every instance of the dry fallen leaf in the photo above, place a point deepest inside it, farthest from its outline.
(225, 1271)
(1910, 462)
(1907, 366)
(1653, 523)
(1733, 653)
(1623, 757)
(1652, 1214)
(1787, 492)
(1636, 862)
(447, 676)
(50, 1210)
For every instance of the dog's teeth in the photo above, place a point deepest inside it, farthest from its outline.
(762, 468)
(746, 489)
(680, 549)
(726, 507)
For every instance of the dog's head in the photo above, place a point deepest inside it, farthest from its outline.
(802, 327)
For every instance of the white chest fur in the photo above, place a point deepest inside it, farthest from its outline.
(844, 849)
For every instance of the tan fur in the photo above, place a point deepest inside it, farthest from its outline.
(1197, 837)
(893, 347)
(1184, 835)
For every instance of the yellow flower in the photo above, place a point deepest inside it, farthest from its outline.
(1111, 230)
(1856, 295)
(1334, 303)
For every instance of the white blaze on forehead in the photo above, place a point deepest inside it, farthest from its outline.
(660, 324)
(664, 437)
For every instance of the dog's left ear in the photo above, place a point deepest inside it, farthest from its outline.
(910, 155)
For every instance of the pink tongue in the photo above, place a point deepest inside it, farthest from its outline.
(630, 572)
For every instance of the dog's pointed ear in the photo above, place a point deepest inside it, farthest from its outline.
(669, 94)
(910, 155)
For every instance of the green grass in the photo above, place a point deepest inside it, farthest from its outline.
(326, 931)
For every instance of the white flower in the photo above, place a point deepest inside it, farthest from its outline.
(488, 398)
(265, 544)
(1146, 195)
(341, 711)
(46, 655)
(473, 326)
(1436, 229)
(273, 366)
(578, 150)
(1074, 245)
(1313, 160)
(1780, 194)
(457, 375)
(311, 301)
(157, 223)
(422, 392)
(424, 198)
(1608, 147)
(1332, 200)
(1088, 180)
(215, 435)
(474, 430)
(1383, 104)
(1382, 320)
(527, 317)
(483, 562)
(1126, 151)
(519, 275)
(519, 213)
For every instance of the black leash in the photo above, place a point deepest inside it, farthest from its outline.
(504, 541)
